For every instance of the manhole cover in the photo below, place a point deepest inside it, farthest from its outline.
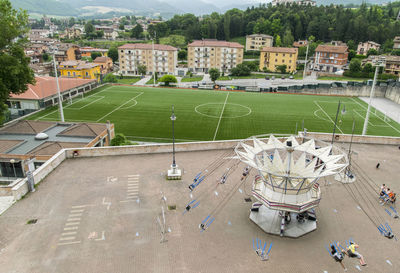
(248, 200)
(172, 207)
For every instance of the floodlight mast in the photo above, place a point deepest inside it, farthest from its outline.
(58, 89)
(173, 118)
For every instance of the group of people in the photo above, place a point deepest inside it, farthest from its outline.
(386, 195)
(351, 251)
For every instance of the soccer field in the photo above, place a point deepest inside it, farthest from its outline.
(143, 113)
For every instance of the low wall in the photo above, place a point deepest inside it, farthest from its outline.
(393, 93)
(356, 138)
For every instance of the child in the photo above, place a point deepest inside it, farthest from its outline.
(338, 256)
(352, 252)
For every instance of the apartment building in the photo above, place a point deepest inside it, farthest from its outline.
(363, 48)
(163, 59)
(329, 58)
(392, 63)
(87, 51)
(206, 54)
(396, 42)
(258, 41)
(272, 57)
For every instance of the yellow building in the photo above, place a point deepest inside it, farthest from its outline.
(80, 70)
(271, 57)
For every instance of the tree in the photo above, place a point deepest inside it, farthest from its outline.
(137, 31)
(94, 55)
(351, 45)
(110, 78)
(288, 38)
(46, 57)
(214, 74)
(396, 52)
(182, 54)
(15, 73)
(278, 41)
(142, 69)
(113, 54)
(89, 28)
(367, 68)
(99, 34)
(281, 68)
(119, 140)
(352, 54)
(167, 79)
(355, 65)
(372, 51)
(240, 70)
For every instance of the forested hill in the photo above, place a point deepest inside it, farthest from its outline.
(288, 23)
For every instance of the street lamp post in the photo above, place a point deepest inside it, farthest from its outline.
(305, 64)
(379, 63)
(58, 89)
(174, 173)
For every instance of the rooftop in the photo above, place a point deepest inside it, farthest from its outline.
(92, 49)
(148, 47)
(47, 86)
(78, 65)
(215, 43)
(260, 35)
(93, 220)
(280, 49)
(331, 49)
(102, 59)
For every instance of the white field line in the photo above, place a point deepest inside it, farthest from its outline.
(80, 108)
(369, 122)
(120, 106)
(220, 117)
(328, 116)
(375, 115)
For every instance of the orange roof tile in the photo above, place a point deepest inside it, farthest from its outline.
(215, 43)
(148, 47)
(47, 86)
(280, 49)
(331, 48)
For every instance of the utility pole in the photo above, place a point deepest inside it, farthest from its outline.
(58, 89)
(380, 62)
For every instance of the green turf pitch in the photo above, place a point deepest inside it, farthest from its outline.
(143, 113)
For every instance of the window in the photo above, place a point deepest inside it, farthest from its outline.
(87, 73)
(283, 54)
(290, 67)
(69, 73)
(276, 54)
(276, 60)
(290, 61)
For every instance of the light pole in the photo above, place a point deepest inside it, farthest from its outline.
(58, 89)
(174, 173)
(379, 63)
(12, 161)
(337, 114)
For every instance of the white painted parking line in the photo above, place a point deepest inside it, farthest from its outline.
(72, 224)
(68, 233)
(77, 210)
(70, 228)
(69, 243)
(132, 193)
(132, 190)
(73, 219)
(130, 197)
(131, 175)
(67, 238)
(75, 215)
(77, 207)
(125, 201)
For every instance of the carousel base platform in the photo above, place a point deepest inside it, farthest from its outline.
(270, 221)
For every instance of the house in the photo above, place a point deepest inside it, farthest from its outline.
(73, 33)
(363, 48)
(257, 41)
(110, 34)
(163, 59)
(329, 58)
(206, 54)
(26, 144)
(43, 33)
(87, 51)
(272, 57)
(80, 70)
(106, 64)
(67, 52)
(392, 63)
(44, 93)
(297, 2)
(396, 42)
(300, 43)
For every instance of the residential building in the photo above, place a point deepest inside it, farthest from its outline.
(297, 2)
(26, 144)
(80, 70)
(272, 57)
(73, 33)
(163, 60)
(363, 48)
(43, 33)
(392, 63)
(329, 58)
(110, 34)
(106, 64)
(206, 54)
(257, 41)
(396, 42)
(300, 43)
(67, 52)
(44, 93)
(87, 51)
(337, 43)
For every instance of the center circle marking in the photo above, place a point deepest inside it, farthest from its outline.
(216, 103)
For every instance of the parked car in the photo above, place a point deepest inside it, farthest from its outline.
(273, 78)
(291, 77)
(267, 78)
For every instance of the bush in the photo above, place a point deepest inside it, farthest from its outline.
(214, 74)
(167, 79)
(94, 55)
(120, 140)
(281, 68)
(240, 70)
(110, 78)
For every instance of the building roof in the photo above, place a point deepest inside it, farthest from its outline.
(65, 47)
(215, 43)
(259, 35)
(19, 137)
(102, 59)
(47, 87)
(280, 49)
(370, 42)
(331, 48)
(148, 47)
(78, 65)
(396, 39)
(300, 43)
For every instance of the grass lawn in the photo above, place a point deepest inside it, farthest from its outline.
(128, 80)
(191, 79)
(174, 40)
(151, 81)
(143, 113)
(339, 78)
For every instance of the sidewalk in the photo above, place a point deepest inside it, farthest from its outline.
(143, 81)
(5, 203)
